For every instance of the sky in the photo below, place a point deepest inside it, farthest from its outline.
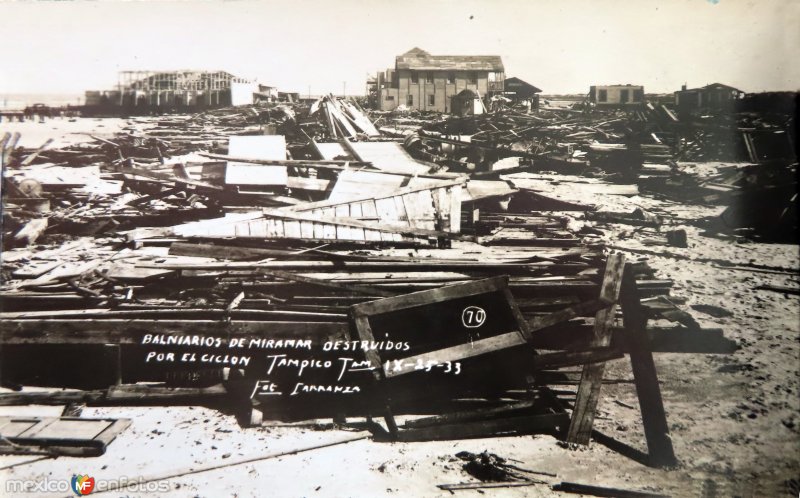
(328, 46)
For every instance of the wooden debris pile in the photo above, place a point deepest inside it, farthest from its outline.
(198, 252)
(552, 138)
(549, 303)
(342, 118)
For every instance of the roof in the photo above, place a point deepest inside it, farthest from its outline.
(712, 86)
(516, 83)
(720, 86)
(618, 85)
(418, 59)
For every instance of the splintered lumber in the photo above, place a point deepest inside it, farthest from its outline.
(298, 163)
(654, 418)
(429, 206)
(8, 147)
(59, 397)
(137, 392)
(783, 289)
(360, 289)
(284, 224)
(464, 416)
(486, 428)
(32, 156)
(571, 358)
(230, 252)
(133, 170)
(338, 118)
(354, 183)
(388, 156)
(114, 395)
(131, 331)
(463, 351)
(580, 428)
(587, 489)
(345, 228)
(31, 231)
(186, 313)
(487, 485)
(358, 117)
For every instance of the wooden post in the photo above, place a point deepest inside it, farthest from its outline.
(654, 418)
(365, 334)
(580, 427)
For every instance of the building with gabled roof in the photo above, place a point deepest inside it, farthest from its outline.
(428, 82)
(518, 90)
(713, 96)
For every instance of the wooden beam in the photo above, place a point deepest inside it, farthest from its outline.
(430, 296)
(337, 165)
(331, 284)
(587, 489)
(579, 310)
(580, 428)
(471, 415)
(486, 428)
(354, 222)
(645, 376)
(30, 158)
(485, 485)
(364, 330)
(563, 359)
(167, 177)
(118, 331)
(462, 351)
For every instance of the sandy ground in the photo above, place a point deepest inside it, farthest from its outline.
(734, 419)
(64, 131)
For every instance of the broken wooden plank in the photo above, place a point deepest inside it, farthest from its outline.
(426, 205)
(563, 359)
(464, 416)
(654, 418)
(31, 231)
(486, 428)
(487, 485)
(587, 489)
(580, 428)
(32, 156)
(131, 331)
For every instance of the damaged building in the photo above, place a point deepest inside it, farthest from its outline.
(142, 92)
(428, 82)
(713, 96)
(518, 91)
(616, 95)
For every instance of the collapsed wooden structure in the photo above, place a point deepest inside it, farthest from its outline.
(183, 290)
(552, 323)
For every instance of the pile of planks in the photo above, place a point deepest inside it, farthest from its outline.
(344, 118)
(219, 233)
(556, 298)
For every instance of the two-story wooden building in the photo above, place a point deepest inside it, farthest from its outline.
(428, 82)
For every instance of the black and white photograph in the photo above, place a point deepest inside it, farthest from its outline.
(406, 248)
